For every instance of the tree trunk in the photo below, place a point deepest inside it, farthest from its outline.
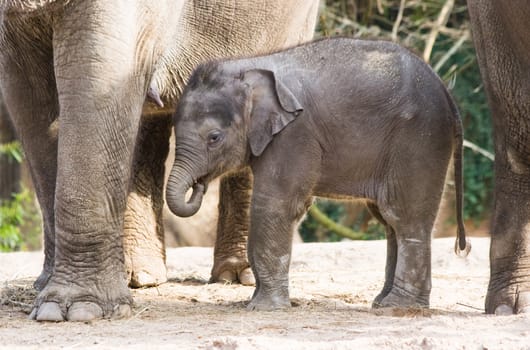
(9, 167)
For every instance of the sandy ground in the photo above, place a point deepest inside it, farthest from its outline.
(332, 286)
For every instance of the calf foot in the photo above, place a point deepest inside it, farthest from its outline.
(399, 297)
(232, 270)
(61, 302)
(379, 298)
(270, 300)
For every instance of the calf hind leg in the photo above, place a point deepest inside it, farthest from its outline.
(408, 270)
(391, 255)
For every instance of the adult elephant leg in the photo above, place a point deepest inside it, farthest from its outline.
(143, 228)
(503, 50)
(32, 102)
(101, 89)
(230, 258)
(509, 285)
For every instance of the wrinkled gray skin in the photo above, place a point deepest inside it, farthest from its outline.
(75, 75)
(338, 118)
(501, 36)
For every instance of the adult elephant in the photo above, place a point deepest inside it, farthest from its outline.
(74, 77)
(501, 36)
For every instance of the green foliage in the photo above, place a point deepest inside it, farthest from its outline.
(12, 150)
(17, 212)
(451, 55)
(312, 230)
(12, 216)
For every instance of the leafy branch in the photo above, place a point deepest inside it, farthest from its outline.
(332, 226)
(13, 150)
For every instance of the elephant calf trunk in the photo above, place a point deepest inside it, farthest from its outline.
(176, 196)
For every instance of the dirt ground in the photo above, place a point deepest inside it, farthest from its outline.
(332, 286)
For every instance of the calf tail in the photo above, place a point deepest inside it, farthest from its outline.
(462, 245)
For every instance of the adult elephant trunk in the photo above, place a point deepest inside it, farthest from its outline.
(179, 182)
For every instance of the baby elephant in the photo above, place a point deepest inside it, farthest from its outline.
(337, 118)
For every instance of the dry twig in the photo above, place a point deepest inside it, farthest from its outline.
(443, 17)
(399, 18)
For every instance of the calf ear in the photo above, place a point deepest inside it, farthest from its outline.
(274, 106)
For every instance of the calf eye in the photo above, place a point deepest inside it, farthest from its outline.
(214, 138)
